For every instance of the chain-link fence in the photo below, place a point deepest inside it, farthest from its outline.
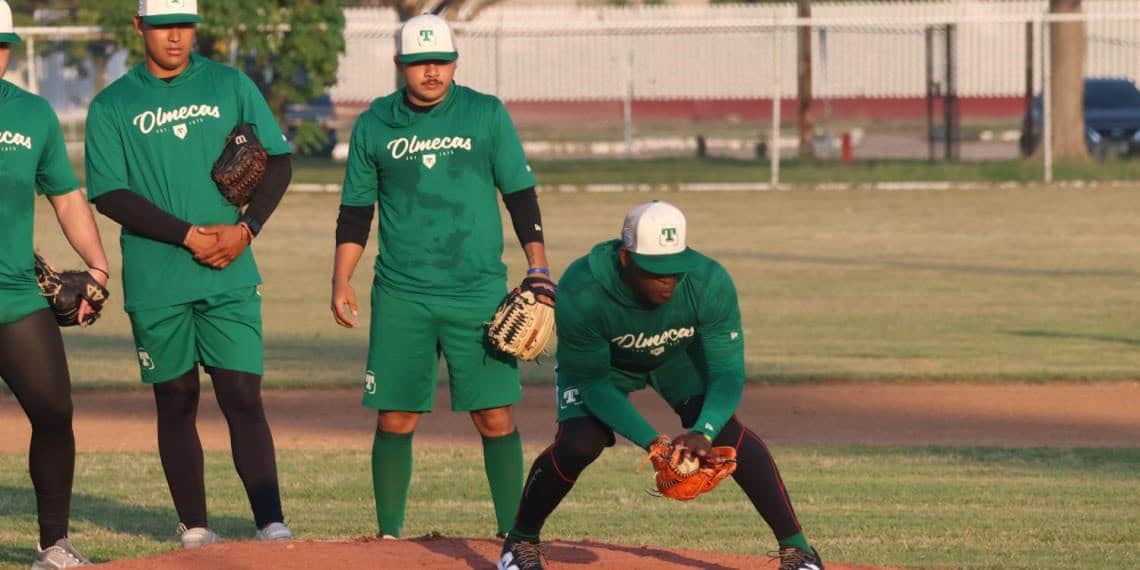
(888, 80)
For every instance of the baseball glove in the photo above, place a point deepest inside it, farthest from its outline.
(240, 168)
(685, 480)
(523, 324)
(65, 291)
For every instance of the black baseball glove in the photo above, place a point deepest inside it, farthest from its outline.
(66, 290)
(240, 168)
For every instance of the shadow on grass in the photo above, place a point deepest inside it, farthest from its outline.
(1077, 336)
(113, 515)
(665, 556)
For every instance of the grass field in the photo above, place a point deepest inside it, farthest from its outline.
(988, 285)
(793, 171)
(929, 508)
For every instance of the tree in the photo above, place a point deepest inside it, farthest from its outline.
(1066, 86)
(289, 48)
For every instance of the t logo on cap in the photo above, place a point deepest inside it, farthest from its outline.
(427, 37)
(668, 235)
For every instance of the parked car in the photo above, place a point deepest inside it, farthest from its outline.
(319, 113)
(1112, 119)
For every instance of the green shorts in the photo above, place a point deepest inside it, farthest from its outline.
(221, 331)
(676, 380)
(406, 339)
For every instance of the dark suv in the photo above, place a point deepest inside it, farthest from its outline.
(1112, 119)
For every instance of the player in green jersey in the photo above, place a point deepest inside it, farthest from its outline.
(435, 156)
(189, 278)
(33, 160)
(648, 311)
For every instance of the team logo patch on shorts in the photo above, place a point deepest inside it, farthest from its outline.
(369, 382)
(569, 397)
(145, 361)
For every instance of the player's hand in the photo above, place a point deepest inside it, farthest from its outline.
(85, 308)
(230, 241)
(543, 288)
(343, 305)
(693, 444)
(198, 242)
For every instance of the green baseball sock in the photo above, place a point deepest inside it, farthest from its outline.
(503, 461)
(391, 476)
(797, 540)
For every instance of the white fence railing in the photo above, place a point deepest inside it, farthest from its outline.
(728, 52)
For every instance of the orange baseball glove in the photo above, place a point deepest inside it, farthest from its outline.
(684, 480)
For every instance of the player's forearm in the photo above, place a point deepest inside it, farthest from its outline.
(721, 400)
(142, 217)
(278, 174)
(78, 225)
(344, 263)
(353, 224)
(613, 408)
(536, 256)
(526, 219)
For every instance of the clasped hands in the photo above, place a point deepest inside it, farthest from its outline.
(217, 246)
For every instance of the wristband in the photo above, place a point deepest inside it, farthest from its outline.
(253, 225)
(543, 270)
(100, 270)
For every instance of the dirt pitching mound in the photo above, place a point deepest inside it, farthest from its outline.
(437, 552)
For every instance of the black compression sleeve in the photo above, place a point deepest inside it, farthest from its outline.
(525, 216)
(353, 224)
(278, 173)
(142, 217)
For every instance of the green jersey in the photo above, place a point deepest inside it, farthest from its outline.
(160, 139)
(437, 175)
(33, 159)
(609, 343)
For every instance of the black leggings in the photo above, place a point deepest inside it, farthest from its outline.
(251, 443)
(581, 440)
(33, 364)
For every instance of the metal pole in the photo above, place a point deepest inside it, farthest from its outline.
(33, 76)
(930, 92)
(774, 144)
(950, 100)
(1047, 99)
(499, 58)
(1027, 128)
(627, 106)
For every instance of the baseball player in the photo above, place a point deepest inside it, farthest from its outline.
(189, 278)
(32, 359)
(435, 155)
(647, 311)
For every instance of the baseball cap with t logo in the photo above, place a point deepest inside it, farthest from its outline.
(425, 38)
(7, 32)
(654, 235)
(169, 12)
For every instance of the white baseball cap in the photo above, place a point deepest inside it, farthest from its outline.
(7, 32)
(167, 12)
(425, 38)
(654, 235)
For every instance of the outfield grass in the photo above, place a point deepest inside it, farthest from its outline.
(921, 508)
(793, 171)
(985, 285)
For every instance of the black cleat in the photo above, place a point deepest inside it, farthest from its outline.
(792, 558)
(520, 555)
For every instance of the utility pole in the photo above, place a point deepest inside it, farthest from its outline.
(806, 115)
